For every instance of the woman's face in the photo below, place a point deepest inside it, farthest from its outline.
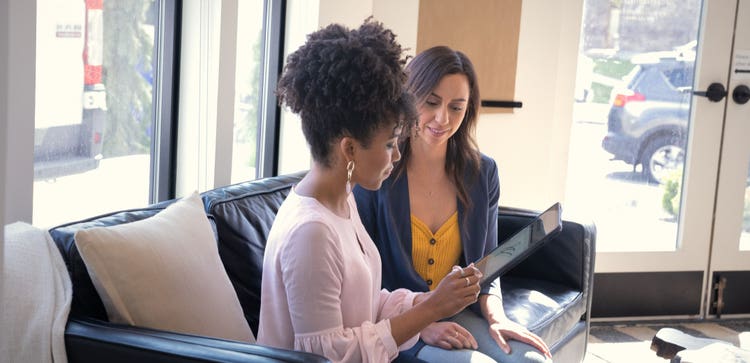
(375, 163)
(442, 112)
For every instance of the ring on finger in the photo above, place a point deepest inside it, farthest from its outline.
(467, 281)
(455, 334)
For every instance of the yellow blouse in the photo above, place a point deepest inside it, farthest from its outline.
(433, 255)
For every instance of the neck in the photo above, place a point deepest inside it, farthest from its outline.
(427, 160)
(327, 186)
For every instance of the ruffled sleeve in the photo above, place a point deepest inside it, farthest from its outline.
(366, 343)
(394, 303)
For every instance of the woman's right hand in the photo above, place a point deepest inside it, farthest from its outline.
(456, 291)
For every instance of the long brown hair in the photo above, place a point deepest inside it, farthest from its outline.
(425, 72)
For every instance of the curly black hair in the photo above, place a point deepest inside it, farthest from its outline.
(346, 82)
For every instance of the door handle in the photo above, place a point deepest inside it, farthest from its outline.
(715, 92)
(741, 94)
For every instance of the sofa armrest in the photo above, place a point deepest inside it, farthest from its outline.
(90, 340)
(566, 259)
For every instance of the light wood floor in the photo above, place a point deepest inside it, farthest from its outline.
(630, 342)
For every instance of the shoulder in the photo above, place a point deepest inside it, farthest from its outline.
(303, 219)
(486, 164)
(488, 167)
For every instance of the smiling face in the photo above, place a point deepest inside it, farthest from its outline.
(374, 162)
(443, 111)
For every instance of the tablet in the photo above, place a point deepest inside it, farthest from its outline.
(520, 245)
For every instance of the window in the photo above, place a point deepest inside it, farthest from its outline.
(629, 139)
(247, 90)
(94, 128)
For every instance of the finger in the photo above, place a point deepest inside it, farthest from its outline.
(473, 270)
(537, 342)
(444, 344)
(469, 341)
(455, 341)
(501, 342)
(459, 270)
(471, 285)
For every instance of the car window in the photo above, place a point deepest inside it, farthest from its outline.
(680, 77)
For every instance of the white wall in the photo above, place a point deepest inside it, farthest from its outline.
(530, 145)
(20, 54)
(306, 16)
(4, 90)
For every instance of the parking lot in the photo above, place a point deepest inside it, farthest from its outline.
(625, 207)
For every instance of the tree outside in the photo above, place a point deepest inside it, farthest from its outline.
(128, 73)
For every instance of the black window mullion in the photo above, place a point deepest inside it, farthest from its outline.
(165, 99)
(272, 61)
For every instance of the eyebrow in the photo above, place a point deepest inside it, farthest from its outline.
(453, 100)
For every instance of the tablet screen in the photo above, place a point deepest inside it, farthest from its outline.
(521, 244)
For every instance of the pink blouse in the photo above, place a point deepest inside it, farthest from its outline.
(321, 286)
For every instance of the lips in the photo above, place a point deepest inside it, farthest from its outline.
(437, 132)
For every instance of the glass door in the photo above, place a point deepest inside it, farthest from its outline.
(730, 251)
(646, 149)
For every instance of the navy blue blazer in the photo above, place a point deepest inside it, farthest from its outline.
(385, 214)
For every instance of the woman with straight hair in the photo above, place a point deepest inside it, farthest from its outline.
(439, 209)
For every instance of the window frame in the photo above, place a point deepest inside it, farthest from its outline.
(165, 100)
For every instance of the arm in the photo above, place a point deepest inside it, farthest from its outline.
(314, 271)
(491, 302)
(490, 242)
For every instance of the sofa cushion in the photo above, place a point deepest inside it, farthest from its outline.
(164, 272)
(548, 309)
(86, 301)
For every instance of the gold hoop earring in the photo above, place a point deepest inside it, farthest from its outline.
(349, 171)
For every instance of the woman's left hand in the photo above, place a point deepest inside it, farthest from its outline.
(506, 329)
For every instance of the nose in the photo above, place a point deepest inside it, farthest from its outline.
(396, 155)
(441, 116)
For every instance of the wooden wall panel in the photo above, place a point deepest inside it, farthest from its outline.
(486, 30)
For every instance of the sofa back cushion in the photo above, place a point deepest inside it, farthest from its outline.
(243, 215)
(164, 272)
(86, 301)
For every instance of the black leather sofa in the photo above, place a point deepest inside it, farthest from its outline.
(550, 292)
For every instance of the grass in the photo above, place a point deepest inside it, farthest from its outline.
(611, 68)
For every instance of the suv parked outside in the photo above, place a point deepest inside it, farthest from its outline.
(648, 119)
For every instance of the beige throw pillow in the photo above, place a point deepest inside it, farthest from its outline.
(164, 272)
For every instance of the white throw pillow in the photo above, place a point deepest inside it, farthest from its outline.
(164, 272)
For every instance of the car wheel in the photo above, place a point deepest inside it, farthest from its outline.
(661, 157)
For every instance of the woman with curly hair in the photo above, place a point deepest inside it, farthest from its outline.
(321, 289)
(439, 209)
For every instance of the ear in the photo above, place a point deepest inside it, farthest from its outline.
(346, 147)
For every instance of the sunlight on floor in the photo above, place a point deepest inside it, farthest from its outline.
(600, 352)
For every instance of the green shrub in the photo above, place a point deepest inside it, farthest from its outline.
(672, 187)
